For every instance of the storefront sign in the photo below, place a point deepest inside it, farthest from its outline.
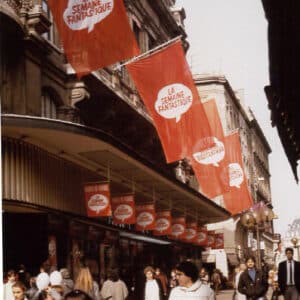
(211, 239)
(219, 243)
(191, 232)
(123, 208)
(163, 223)
(145, 217)
(97, 197)
(178, 228)
(202, 237)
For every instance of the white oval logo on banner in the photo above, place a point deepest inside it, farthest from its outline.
(210, 240)
(144, 219)
(162, 224)
(98, 202)
(123, 211)
(212, 155)
(201, 236)
(173, 100)
(81, 14)
(236, 175)
(190, 233)
(219, 242)
(177, 229)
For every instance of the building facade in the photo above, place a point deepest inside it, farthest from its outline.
(235, 116)
(59, 133)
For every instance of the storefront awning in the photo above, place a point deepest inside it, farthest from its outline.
(101, 153)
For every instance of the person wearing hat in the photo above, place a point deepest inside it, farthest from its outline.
(42, 283)
(190, 287)
(56, 289)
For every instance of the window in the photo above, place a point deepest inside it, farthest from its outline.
(151, 42)
(50, 34)
(48, 107)
(136, 31)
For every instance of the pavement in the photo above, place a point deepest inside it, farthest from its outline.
(225, 295)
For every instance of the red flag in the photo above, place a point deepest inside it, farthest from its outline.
(178, 228)
(238, 198)
(211, 239)
(219, 241)
(208, 162)
(145, 217)
(191, 232)
(97, 197)
(202, 237)
(123, 208)
(163, 223)
(165, 83)
(95, 34)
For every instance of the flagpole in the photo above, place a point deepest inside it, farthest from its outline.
(148, 52)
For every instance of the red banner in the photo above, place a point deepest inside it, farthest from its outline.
(219, 241)
(97, 198)
(123, 208)
(178, 228)
(238, 198)
(145, 217)
(163, 223)
(191, 232)
(208, 163)
(202, 237)
(95, 34)
(165, 83)
(211, 239)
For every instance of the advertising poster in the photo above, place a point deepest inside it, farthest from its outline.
(97, 199)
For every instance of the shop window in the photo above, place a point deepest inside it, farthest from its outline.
(48, 106)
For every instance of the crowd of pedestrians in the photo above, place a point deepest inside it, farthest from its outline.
(184, 282)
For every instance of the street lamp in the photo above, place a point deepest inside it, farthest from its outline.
(255, 219)
(294, 241)
(293, 234)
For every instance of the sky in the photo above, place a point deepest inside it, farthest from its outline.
(230, 38)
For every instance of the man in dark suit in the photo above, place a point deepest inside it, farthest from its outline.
(289, 276)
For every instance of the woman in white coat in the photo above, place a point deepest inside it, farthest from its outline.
(238, 295)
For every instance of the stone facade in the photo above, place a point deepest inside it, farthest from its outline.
(255, 150)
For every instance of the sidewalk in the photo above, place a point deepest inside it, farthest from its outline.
(225, 295)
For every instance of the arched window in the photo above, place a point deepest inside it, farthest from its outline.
(48, 106)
